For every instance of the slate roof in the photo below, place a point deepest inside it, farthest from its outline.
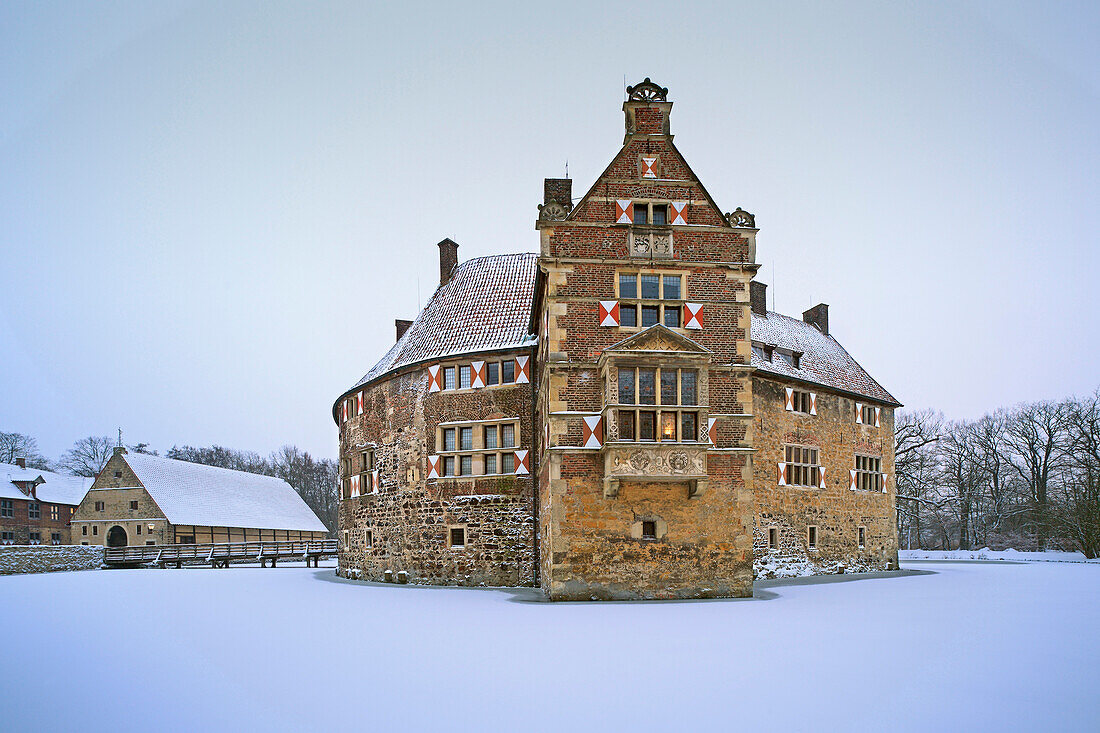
(485, 306)
(824, 361)
(58, 489)
(192, 493)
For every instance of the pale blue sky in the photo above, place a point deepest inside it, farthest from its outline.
(211, 213)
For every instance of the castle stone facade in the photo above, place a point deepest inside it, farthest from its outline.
(618, 416)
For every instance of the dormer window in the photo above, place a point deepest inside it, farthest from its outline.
(791, 358)
(762, 351)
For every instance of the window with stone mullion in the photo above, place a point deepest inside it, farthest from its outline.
(666, 390)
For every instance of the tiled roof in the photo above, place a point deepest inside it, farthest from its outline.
(192, 493)
(59, 488)
(824, 361)
(485, 306)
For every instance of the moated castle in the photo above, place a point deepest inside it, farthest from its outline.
(618, 416)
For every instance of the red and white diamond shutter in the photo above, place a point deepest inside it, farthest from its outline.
(679, 212)
(852, 479)
(344, 411)
(884, 477)
(649, 166)
(435, 379)
(790, 399)
(813, 403)
(782, 473)
(523, 370)
(360, 396)
(712, 433)
(433, 466)
(624, 212)
(878, 417)
(374, 481)
(609, 313)
(477, 378)
(592, 432)
(859, 413)
(693, 315)
(821, 472)
(523, 466)
(355, 485)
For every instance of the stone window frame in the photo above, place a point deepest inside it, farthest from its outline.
(478, 452)
(861, 537)
(34, 510)
(801, 398)
(662, 303)
(345, 539)
(870, 473)
(867, 412)
(368, 538)
(83, 530)
(659, 409)
(7, 508)
(814, 468)
(812, 537)
(451, 529)
(773, 537)
(462, 371)
(55, 513)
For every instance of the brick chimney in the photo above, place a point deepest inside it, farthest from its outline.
(818, 316)
(558, 190)
(402, 326)
(758, 297)
(448, 259)
(21, 462)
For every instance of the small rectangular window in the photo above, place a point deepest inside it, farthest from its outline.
(7, 508)
(651, 287)
(490, 436)
(650, 314)
(448, 377)
(628, 315)
(862, 537)
(368, 538)
(367, 460)
(493, 373)
(773, 538)
(139, 529)
(490, 464)
(99, 506)
(464, 376)
(672, 316)
(133, 504)
(84, 530)
(508, 372)
(688, 392)
(668, 387)
(466, 438)
(626, 425)
(811, 537)
(687, 426)
(626, 386)
(466, 465)
(458, 537)
(148, 542)
(647, 425)
(55, 538)
(508, 463)
(118, 474)
(671, 287)
(668, 426)
(449, 466)
(647, 386)
(33, 510)
(448, 439)
(507, 436)
(628, 285)
(649, 530)
(641, 213)
(660, 214)
(95, 530)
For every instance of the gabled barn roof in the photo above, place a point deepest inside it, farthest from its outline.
(58, 488)
(824, 361)
(192, 493)
(485, 306)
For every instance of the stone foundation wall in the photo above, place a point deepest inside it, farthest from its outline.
(49, 559)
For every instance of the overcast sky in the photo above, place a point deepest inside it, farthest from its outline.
(211, 213)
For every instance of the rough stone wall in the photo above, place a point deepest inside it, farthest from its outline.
(591, 542)
(48, 559)
(836, 510)
(409, 518)
(116, 493)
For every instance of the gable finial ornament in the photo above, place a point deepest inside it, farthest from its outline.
(554, 211)
(647, 91)
(741, 218)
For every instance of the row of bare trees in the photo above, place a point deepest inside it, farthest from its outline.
(314, 479)
(1026, 477)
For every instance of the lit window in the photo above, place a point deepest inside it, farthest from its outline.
(669, 388)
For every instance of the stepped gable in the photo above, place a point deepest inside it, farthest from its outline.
(485, 306)
(824, 361)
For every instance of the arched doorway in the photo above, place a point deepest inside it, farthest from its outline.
(116, 537)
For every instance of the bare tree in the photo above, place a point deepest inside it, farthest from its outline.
(88, 455)
(18, 445)
(1036, 441)
(915, 437)
(1077, 514)
(315, 481)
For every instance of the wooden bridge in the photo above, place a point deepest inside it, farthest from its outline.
(220, 555)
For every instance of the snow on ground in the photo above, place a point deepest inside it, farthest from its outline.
(987, 554)
(967, 646)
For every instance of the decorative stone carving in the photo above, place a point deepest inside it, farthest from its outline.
(640, 460)
(651, 243)
(647, 91)
(553, 211)
(742, 219)
(678, 461)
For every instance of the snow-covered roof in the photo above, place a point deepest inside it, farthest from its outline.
(485, 306)
(824, 361)
(192, 493)
(58, 488)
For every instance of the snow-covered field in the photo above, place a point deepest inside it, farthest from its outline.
(970, 646)
(987, 554)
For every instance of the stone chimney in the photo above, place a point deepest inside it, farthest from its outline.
(118, 449)
(448, 259)
(818, 316)
(558, 190)
(647, 109)
(758, 297)
(402, 326)
(21, 462)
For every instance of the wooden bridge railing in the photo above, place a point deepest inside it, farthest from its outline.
(219, 555)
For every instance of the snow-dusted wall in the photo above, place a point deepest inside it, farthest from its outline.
(49, 558)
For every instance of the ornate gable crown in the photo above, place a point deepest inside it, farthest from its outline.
(647, 91)
(647, 108)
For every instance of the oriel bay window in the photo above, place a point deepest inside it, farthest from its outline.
(664, 398)
(648, 298)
